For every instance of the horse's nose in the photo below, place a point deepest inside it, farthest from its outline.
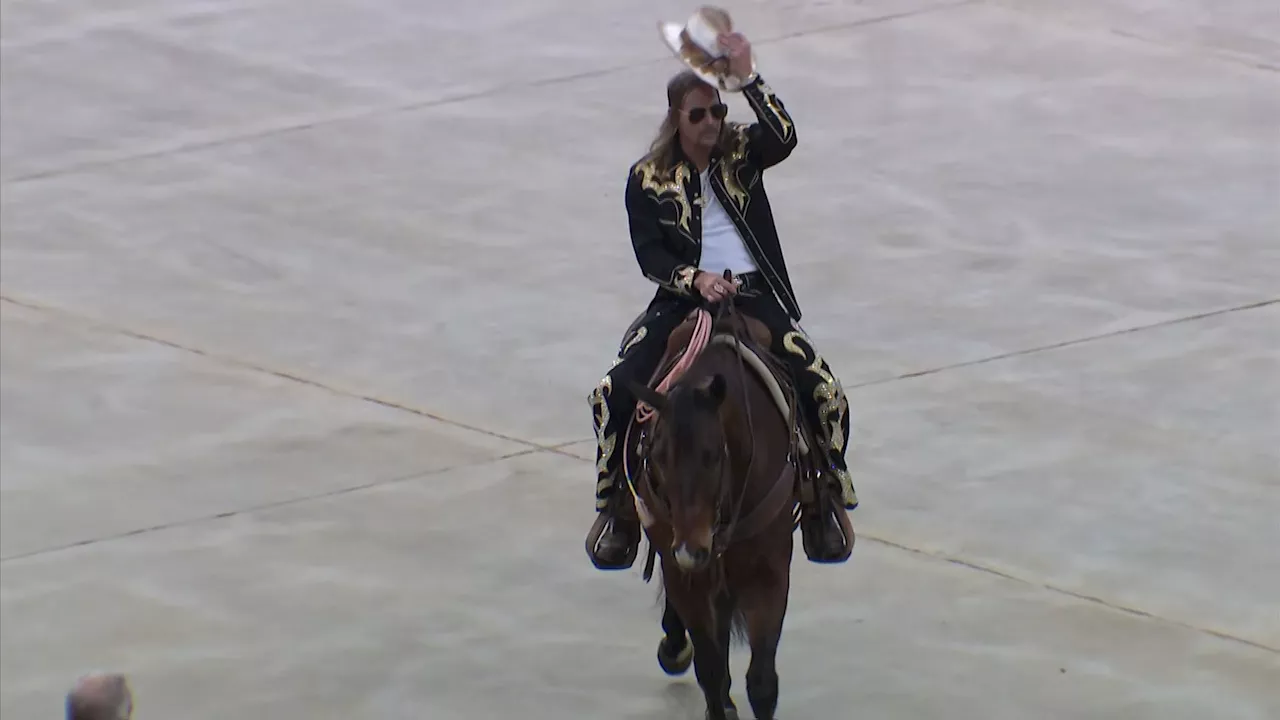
(691, 558)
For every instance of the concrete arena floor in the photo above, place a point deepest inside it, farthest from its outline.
(302, 301)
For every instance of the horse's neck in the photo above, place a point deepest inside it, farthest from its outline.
(748, 412)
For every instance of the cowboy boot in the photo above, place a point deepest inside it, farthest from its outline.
(823, 535)
(837, 530)
(835, 547)
(619, 544)
(614, 541)
(827, 537)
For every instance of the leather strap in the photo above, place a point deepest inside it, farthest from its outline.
(767, 509)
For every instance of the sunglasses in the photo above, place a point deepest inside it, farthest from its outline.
(698, 114)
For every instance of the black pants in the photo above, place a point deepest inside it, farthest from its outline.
(821, 396)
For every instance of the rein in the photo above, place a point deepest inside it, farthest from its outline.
(698, 343)
(735, 527)
(723, 535)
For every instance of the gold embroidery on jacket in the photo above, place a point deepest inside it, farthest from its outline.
(670, 189)
(729, 167)
(785, 129)
(683, 278)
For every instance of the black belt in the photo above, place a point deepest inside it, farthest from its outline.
(751, 284)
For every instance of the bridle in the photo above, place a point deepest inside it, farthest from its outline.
(739, 527)
(730, 527)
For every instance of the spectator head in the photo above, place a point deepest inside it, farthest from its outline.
(100, 696)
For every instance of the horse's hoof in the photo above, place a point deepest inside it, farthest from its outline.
(675, 663)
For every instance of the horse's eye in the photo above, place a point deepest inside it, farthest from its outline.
(708, 458)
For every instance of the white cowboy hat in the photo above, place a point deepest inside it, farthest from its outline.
(695, 44)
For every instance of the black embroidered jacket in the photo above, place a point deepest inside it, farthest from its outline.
(666, 218)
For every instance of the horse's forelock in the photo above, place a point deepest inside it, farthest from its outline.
(689, 420)
(686, 414)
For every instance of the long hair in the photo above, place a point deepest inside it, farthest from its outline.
(665, 147)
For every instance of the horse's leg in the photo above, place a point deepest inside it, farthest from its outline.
(710, 659)
(724, 626)
(764, 607)
(719, 681)
(675, 652)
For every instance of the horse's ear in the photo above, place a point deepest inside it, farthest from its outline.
(647, 395)
(715, 390)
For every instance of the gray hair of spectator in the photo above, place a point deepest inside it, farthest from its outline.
(100, 696)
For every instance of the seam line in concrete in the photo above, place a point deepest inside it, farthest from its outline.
(1206, 51)
(1064, 344)
(950, 559)
(1136, 612)
(865, 22)
(284, 128)
(282, 374)
(366, 112)
(299, 500)
(1058, 590)
(1102, 602)
(558, 450)
(161, 34)
(108, 21)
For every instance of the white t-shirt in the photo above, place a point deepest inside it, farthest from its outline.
(722, 244)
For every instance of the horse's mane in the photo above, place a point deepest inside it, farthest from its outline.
(688, 411)
(715, 359)
(687, 403)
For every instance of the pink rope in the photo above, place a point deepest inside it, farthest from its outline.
(697, 343)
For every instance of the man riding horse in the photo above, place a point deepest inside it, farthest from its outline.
(697, 206)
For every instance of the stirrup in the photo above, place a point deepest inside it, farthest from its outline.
(813, 534)
(603, 521)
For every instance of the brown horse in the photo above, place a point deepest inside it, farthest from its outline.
(718, 484)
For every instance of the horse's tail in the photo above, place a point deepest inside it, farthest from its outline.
(738, 628)
(737, 634)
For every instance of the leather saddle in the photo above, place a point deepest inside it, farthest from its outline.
(755, 352)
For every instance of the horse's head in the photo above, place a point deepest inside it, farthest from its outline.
(690, 460)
